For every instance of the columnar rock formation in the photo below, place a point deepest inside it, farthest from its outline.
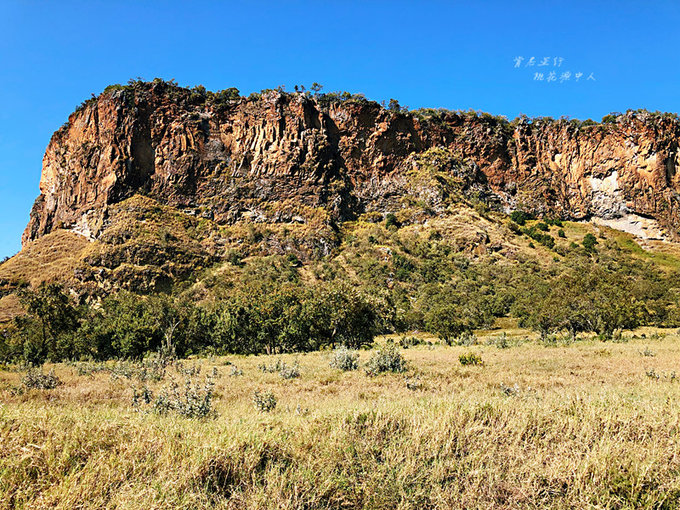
(281, 157)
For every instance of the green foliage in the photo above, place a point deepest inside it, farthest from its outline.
(329, 98)
(470, 359)
(264, 401)
(193, 400)
(391, 220)
(560, 233)
(394, 107)
(520, 217)
(223, 97)
(129, 326)
(386, 359)
(545, 239)
(36, 379)
(590, 298)
(379, 280)
(52, 321)
(446, 321)
(589, 242)
(344, 359)
(452, 311)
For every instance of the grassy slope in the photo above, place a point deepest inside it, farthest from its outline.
(52, 256)
(146, 247)
(587, 428)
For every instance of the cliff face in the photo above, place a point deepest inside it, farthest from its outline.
(284, 157)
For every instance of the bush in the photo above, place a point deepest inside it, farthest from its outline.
(467, 338)
(545, 239)
(344, 359)
(386, 359)
(290, 371)
(470, 359)
(36, 379)
(391, 220)
(284, 370)
(560, 233)
(520, 217)
(589, 242)
(271, 367)
(194, 401)
(264, 401)
(553, 221)
(409, 341)
(413, 383)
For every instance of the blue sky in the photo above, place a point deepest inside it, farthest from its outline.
(456, 55)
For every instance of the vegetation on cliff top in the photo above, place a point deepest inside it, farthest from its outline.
(199, 95)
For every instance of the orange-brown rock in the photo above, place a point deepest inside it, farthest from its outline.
(277, 157)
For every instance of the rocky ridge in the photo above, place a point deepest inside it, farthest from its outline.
(282, 157)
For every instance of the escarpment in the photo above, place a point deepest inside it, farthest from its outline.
(280, 157)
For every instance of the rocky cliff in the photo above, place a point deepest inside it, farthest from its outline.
(278, 157)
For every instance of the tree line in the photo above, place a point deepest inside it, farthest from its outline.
(267, 308)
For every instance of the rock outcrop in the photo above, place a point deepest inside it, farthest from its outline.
(282, 157)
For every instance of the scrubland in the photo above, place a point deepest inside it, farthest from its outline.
(585, 424)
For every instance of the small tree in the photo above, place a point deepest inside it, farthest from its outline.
(57, 317)
(589, 242)
(446, 322)
(316, 88)
(341, 315)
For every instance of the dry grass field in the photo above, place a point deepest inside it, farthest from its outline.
(584, 425)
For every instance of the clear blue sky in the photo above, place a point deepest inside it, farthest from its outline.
(456, 55)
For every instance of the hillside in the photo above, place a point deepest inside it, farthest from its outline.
(153, 188)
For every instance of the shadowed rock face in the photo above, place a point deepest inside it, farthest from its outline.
(282, 156)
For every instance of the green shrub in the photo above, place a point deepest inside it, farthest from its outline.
(36, 379)
(391, 221)
(344, 359)
(194, 400)
(264, 401)
(501, 341)
(470, 359)
(410, 341)
(520, 217)
(386, 359)
(545, 239)
(467, 338)
(290, 371)
(589, 242)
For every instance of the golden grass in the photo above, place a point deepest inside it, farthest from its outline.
(53, 256)
(10, 307)
(586, 428)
